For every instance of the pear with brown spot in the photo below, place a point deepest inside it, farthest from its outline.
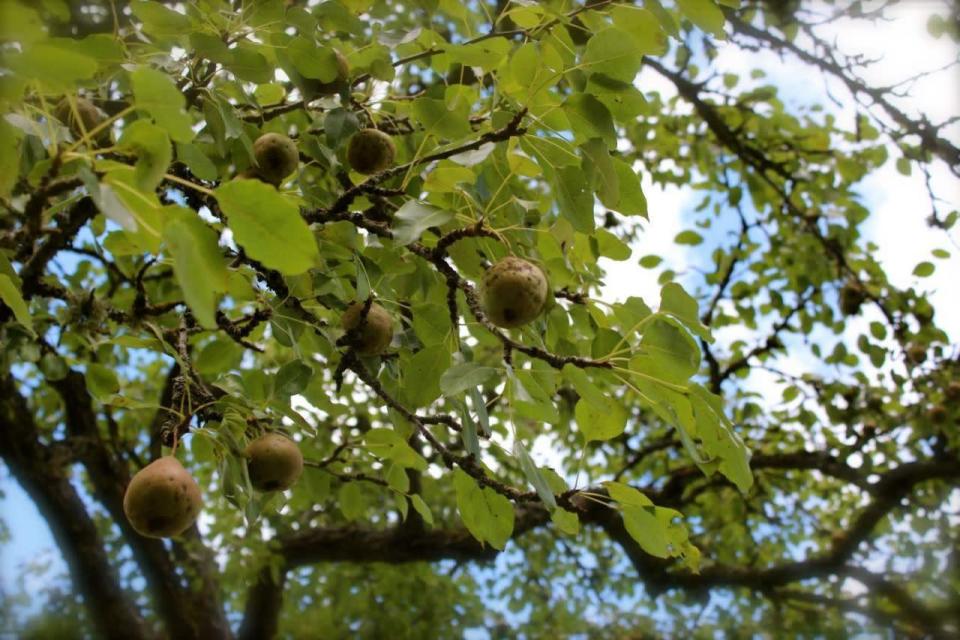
(377, 332)
(514, 292)
(162, 500)
(274, 462)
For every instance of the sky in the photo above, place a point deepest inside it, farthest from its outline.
(898, 206)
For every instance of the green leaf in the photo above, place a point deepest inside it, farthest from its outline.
(632, 202)
(584, 386)
(397, 479)
(574, 199)
(442, 121)
(389, 445)
(678, 303)
(9, 157)
(464, 376)
(313, 61)
(414, 217)
(155, 93)
(644, 527)
(10, 294)
(56, 68)
(534, 477)
(705, 14)
(643, 28)
(421, 374)
(487, 515)
(650, 261)
(590, 118)
(421, 507)
(566, 521)
(160, 21)
(137, 210)
(626, 495)
(197, 262)
(268, 226)
(924, 269)
(600, 421)
(292, 378)
(218, 356)
(718, 438)
(903, 166)
(667, 352)
(351, 501)
(614, 53)
(197, 161)
(102, 382)
(606, 181)
(249, 64)
(151, 145)
(688, 237)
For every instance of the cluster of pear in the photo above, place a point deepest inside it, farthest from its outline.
(163, 499)
(369, 151)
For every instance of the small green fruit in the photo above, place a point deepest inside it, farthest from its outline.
(274, 462)
(162, 499)
(277, 157)
(377, 331)
(87, 118)
(514, 292)
(370, 151)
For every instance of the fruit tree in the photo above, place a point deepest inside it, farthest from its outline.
(331, 319)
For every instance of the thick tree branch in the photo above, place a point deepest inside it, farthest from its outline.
(111, 611)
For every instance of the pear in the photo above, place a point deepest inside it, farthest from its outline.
(277, 157)
(953, 390)
(514, 292)
(916, 354)
(377, 331)
(87, 118)
(937, 414)
(162, 499)
(274, 462)
(851, 298)
(370, 151)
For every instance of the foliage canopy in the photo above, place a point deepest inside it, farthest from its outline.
(174, 282)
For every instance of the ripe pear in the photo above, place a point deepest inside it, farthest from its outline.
(87, 118)
(370, 151)
(514, 292)
(916, 354)
(162, 499)
(937, 414)
(851, 298)
(277, 157)
(313, 88)
(274, 462)
(377, 331)
(953, 390)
